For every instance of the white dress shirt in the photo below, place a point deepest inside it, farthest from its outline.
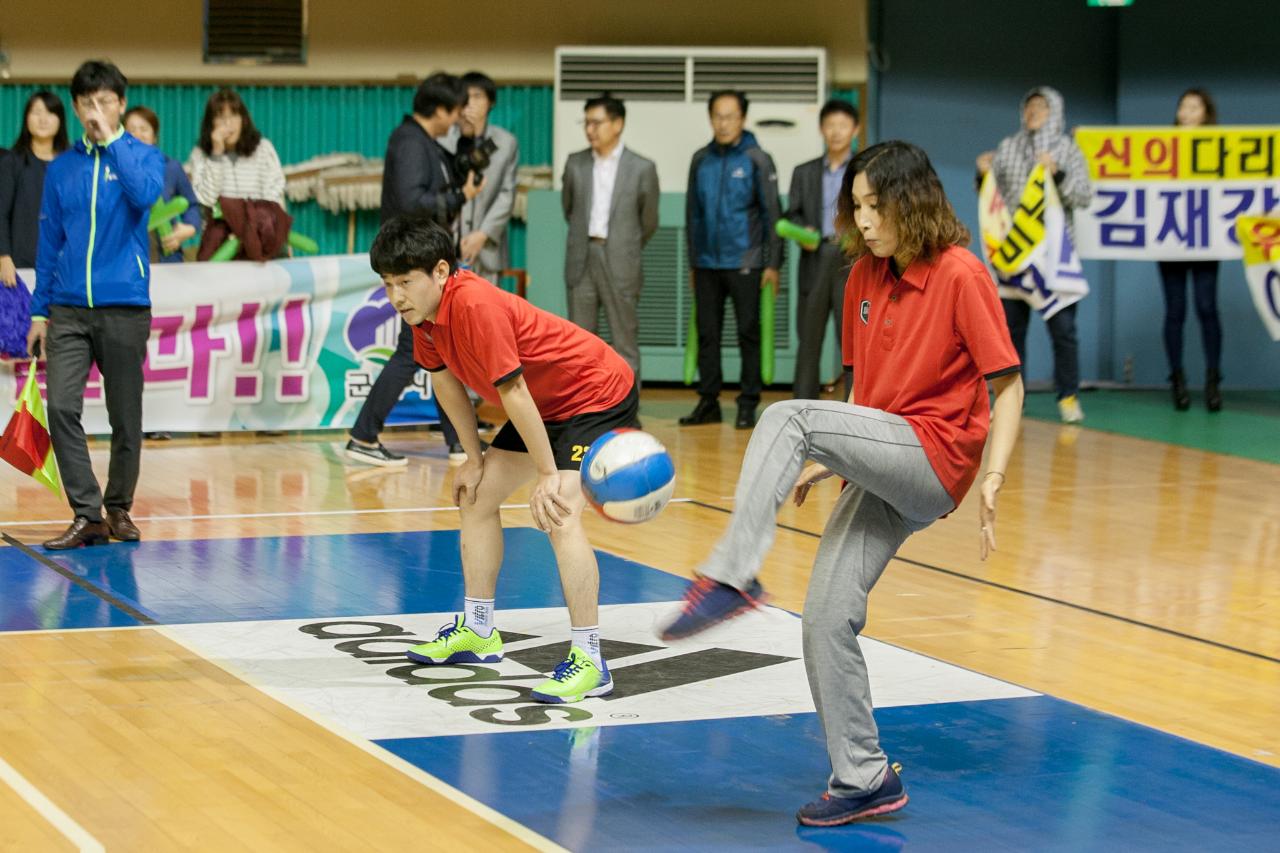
(604, 174)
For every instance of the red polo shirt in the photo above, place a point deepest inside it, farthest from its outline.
(923, 346)
(486, 336)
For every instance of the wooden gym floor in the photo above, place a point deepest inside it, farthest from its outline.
(1134, 580)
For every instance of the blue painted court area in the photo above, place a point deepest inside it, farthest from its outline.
(1006, 774)
(1031, 773)
(229, 580)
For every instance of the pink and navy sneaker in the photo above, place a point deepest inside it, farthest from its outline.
(834, 811)
(708, 602)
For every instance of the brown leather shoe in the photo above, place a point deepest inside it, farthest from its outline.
(80, 534)
(122, 526)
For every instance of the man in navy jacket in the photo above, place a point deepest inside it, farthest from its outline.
(92, 302)
(730, 210)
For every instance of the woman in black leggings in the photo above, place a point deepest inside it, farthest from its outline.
(1195, 107)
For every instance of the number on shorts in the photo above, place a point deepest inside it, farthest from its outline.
(579, 450)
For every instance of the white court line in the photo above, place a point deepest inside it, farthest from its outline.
(60, 820)
(498, 819)
(300, 514)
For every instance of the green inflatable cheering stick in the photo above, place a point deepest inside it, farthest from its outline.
(767, 301)
(162, 215)
(808, 238)
(691, 347)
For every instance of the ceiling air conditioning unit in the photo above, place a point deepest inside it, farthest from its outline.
(666, 88)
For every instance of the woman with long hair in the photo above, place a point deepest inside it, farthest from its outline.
(233, 158)
(924, 337)
(43, 137)
(1195, 108)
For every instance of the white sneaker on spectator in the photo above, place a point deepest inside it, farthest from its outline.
(1069, 410)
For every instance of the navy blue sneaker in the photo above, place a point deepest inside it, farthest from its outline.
(834, 811)
(708, 602)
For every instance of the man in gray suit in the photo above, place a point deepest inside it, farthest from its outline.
(610, 200)
(815, 187)
(484, 218)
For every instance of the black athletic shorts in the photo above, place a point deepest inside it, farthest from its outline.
(570, 439)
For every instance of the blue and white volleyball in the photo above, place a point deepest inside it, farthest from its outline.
(628, 476)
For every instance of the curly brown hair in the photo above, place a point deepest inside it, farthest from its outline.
(909, 195)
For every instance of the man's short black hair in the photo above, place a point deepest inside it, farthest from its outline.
(437, 91)
(480, 80)
(743, 103)
(613, 107)
(838, 105)
(95, 76)
(411, 242)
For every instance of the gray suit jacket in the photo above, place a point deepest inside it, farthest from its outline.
(804, 207)
(633, 216)
(491, 210)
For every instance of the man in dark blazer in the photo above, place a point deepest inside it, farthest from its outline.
(610, 199)
(417, 179)
(815, 187)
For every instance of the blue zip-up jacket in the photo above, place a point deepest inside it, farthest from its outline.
(731, 207)
(93, 225)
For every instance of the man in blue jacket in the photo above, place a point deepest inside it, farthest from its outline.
(92, 302)
(730, 210)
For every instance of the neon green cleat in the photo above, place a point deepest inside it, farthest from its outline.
(574, 680)
(458, 643)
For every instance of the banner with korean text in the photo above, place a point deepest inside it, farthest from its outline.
(1260, 238)
(292, 344)
(1029, 249)
(1166, 193)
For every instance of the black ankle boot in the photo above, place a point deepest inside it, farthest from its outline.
(1212, 393)
(1181, 396)
(706, 412)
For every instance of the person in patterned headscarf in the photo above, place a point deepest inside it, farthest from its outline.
(1043, 139)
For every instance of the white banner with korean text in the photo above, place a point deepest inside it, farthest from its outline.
(1165, 193)
(293, 344)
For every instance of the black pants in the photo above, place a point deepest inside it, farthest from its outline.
(1204, 287)
(114, 338)
(711, 288)
(1066, 347)
(387, 388)
(820, 297)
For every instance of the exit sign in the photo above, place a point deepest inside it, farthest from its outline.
(1110, 2)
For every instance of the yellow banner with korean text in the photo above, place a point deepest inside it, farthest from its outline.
(1260, 239)
(1209, 153)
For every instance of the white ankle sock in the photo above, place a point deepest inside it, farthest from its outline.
(588, 639)
(477, 614)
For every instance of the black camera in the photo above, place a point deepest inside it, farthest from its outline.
(475, 157)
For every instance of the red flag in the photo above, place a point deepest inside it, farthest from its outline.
(25, 444)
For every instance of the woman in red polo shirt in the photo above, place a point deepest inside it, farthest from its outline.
(924, 334)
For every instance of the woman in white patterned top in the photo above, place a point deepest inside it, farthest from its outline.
(233, 158)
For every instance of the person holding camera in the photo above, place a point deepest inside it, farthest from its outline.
(92, 301)
(417, 179)
(494, 152)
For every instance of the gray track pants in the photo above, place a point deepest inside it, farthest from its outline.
(893, 492)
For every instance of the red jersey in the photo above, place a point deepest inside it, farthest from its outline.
(922, 347)
(486, 336)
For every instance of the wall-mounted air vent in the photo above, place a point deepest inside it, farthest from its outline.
(638, 78)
